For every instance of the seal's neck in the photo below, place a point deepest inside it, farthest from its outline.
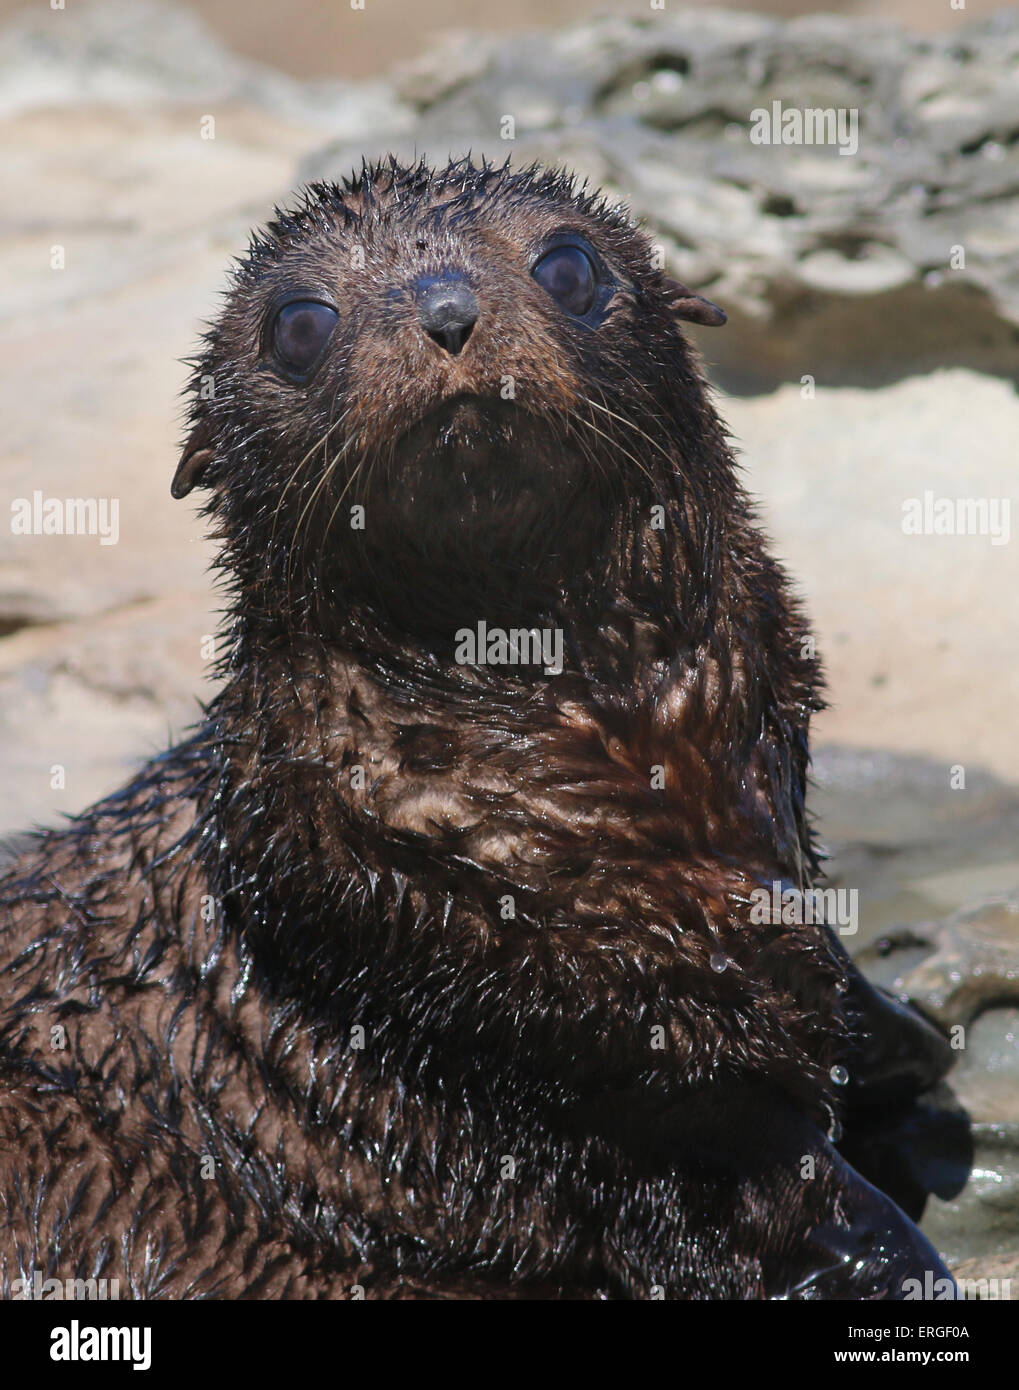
(699, 744)
(664, 651)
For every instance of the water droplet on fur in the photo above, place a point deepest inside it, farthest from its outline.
(834, 1131)
(839, 1075)
(719, 963)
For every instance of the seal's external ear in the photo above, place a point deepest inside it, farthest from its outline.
(693, 307)
(195, 458)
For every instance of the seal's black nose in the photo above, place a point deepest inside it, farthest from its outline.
(447, 311)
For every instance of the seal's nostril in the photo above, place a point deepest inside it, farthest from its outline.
(448, 311)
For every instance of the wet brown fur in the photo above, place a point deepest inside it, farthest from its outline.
(210, 937)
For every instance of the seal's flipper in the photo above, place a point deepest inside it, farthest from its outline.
(868, 1250)
(897, 1053)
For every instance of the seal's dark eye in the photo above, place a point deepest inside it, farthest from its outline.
(568, 275)
(299, 334)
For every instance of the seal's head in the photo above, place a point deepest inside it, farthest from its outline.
(426, 381)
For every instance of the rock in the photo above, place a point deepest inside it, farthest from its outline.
(82, 703)
(990, 1278)
(138, 54)
(789, 238)
(913, 850)
(973, 966)
(964, 974)
(987, 1075)
(903, 620)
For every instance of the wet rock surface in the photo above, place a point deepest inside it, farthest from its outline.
(838, 268)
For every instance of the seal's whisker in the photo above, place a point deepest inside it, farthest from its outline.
(354, 474)
(321, 443)
(589, 424)
(327, 472)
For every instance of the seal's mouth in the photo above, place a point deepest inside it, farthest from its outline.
(471, 431)
(499, 490)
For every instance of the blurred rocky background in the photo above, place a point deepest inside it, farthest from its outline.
(866, 363)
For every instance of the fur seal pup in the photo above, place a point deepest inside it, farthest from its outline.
(426, 966)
